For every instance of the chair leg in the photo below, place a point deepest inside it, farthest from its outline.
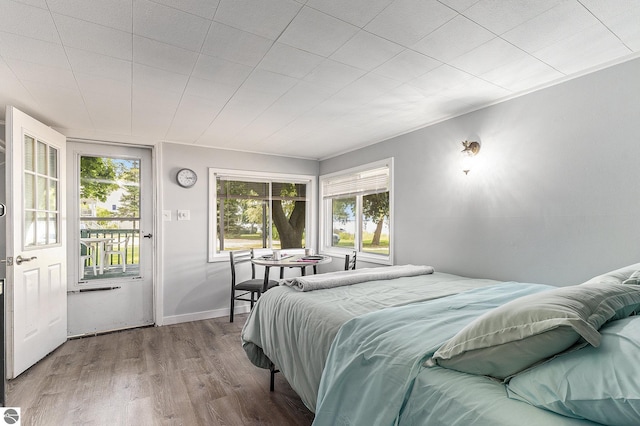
(273, 371)
(231, 310)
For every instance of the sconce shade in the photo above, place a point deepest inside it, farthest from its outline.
(470, 150)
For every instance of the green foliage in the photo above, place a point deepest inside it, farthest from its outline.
(375, 207)
(129, 175)
(97, 178)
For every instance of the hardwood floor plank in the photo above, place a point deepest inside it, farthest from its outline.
(185, 374)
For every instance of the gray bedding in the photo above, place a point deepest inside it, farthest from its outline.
(295, 329)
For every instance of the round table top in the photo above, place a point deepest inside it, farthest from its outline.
(292, 260)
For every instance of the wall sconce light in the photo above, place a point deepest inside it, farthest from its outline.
(470, 150)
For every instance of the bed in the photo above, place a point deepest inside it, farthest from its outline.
(417, 349)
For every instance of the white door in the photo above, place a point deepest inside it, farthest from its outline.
(36, 233)
(110, 237)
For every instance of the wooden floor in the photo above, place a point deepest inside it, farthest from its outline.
(186, 374)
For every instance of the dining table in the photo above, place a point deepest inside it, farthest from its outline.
(99, 243)
(301, 261)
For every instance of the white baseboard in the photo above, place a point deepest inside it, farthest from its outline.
(199, 316)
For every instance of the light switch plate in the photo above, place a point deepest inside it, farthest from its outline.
(184, 214)
(166, 215)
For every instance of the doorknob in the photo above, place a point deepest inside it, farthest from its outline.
(21, 259)
(3, 210)
(147, 236)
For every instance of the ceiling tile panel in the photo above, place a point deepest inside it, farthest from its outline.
(164, 56)
(316, 32)
(605, 10)
(85, 62)
(169, 25)
(93, 37)
(457, 37)
(439, 79)
(153, 111)
(366, 51)
(111, 13)
(27, 21)
(334, 75)
(551, 26)
(103, 86)
(459, 5)
(42, 74)
(264, 18)
(269, 82)
(476, 91)
(356, 12)
(235, 45)
(365, 89)
(407, 65)
(221, 71)
(13, 46)
(193, 117)
(60, 114)
(621, 17)
(287, 60)
(298, 100)
(407, 21)
(499, 16)
(13, 92)
(594, 46)
(205, 9)
(490, 55)
(42, 4)
(112, 113)
(163, 80)
(522, 74)
(210, 90)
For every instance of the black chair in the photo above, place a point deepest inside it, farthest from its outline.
(253, 287)
(350, 261)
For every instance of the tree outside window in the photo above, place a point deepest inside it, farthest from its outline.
(357, 211)
(260, 213)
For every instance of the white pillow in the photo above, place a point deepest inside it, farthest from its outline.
(527, 330)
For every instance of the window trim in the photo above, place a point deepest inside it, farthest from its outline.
(257, 176)
(326, 222)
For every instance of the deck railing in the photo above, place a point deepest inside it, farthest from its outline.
(118, 235)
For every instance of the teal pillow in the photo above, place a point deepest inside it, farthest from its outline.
(532, 328)
(599, 384)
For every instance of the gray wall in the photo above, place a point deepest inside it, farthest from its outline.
(553, 200)
(192, 287)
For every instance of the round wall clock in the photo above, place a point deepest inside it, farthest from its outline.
(186, 178)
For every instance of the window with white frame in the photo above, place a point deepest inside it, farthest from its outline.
(259, 210)
(357, 211)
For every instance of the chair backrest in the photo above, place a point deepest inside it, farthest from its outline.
(350, 262)
(85, 248)
(238, 257)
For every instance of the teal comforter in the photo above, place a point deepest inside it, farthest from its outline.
(375, 358)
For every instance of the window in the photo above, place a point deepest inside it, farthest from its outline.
(41, 212)
(357, 208)
(259, 210)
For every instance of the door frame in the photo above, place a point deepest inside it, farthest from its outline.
(154, 191)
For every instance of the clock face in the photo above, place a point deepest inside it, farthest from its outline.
(186, 178)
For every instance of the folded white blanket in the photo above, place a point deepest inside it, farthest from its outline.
(341, 278)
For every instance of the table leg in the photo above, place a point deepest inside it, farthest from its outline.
(265, 286)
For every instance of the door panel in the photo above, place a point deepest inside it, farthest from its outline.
(36, 290)
(112, 202)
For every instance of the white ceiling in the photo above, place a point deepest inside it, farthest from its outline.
(308, 79)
